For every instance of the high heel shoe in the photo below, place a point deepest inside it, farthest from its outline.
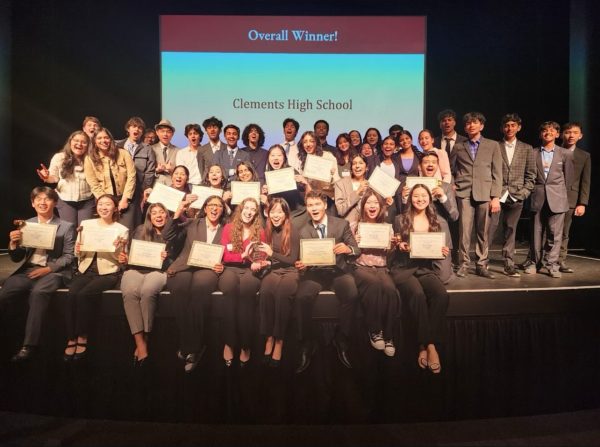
(80, 355)
(69, 357)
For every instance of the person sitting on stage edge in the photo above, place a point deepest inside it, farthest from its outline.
(337, 277)
(42, 271)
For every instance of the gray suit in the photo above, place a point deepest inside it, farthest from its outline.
(578, 193)
(222, 159)
(477, 181)
(205, 157)
(549, 203)
(518, 177)
(165, 179)
(40, 290)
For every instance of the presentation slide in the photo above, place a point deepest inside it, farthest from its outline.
(354, 72)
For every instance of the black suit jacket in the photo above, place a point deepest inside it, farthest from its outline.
(339, 229)
(437, 142)
(192, 230)
(579, 191)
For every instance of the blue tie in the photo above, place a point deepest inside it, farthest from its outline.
(321, 229)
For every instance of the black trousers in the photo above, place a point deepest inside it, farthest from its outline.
(239, 286)
(379, 299)
(191, 291)
(311, 284)
(427, 299)
(84, 290)
(275, 299)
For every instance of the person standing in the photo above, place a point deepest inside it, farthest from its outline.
(165, 152)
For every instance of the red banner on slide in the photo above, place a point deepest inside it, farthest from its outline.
(282, 34)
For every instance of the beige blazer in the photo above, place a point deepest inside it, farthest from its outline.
(123, 171)
(107, 262)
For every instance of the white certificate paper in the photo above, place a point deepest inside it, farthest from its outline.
(38, 235)
(169, 197)
(429, 182)
(280, 180)
(203, 193)
(318, 168)
(318, 252)
(427, 245)
(205, 255)
(374, 235)
(146, 254)
(243, 190)
(99, 239)
(383, 184)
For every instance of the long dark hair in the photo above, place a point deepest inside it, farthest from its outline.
(206, 182)
(285, 159)
(114, 200)
(286, 230)
(149, 233)
(302, 152)
(113, 152)
(339, 155)
(71, 160)
(382, 206)
(407, 216)
(250, 168)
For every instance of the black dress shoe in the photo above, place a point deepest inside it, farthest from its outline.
(462, 271)
(565, 269)
(81, 355)
(308, 350)
(342, 351)
(484, 273)
(273, 363)
(24, 354)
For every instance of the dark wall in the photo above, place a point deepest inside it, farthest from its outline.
(72, 59)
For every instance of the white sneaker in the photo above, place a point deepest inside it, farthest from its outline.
(389, 348)
(377, 340)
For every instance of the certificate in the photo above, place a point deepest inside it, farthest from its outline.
(243, 190)
(383, 184)
(281, 180)
(38, 235)
(99, 239)
(203, 193)
(205, 255)
(427, 245)
(146, 254)
(317, 251)
(374, 235)
(169, 197)
(429, 182)
(318, 168)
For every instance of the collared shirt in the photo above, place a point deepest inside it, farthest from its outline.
(188, 158)
(75, 188)
(211, 232)
(130, 146)
(510, 150)
(473, 147)
(547, 157)
(445, 142)
(291, 149)
(323, 222)
(40, 255)
(215, 147)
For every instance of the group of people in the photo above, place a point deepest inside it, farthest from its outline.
(262, 266)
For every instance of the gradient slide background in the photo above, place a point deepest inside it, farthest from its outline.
(383, 78)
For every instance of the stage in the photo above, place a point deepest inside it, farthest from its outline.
(515, 347)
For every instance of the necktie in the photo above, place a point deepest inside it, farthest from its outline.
(321, 229)
(287, 148)
(231, 156)
(165, 153)
(448, 147)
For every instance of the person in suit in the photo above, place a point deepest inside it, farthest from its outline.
(321, 130)
(350, 190)
(165, 152)
(290, 131)
(231, 156)
(449, 136)
(206, 154)
(518, 175)
(477, 169)
(253, 138)
(75, 198)
(192, 287)
(579, 191)
(549, 200)
(144, 161)
(337, 277)
(96, 272)
(417, 280)
(41, 272)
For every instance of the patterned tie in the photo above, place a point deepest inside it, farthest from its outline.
(321, 228)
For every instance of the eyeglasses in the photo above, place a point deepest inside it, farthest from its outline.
(214, 205)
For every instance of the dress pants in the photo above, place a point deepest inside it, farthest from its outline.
(277, 291)
(427, 299)
(379, 299)
(75, 212)
(472, 212)
(565, 234)
(311, 284)
(140, 291)
(239, 285)
(511, 212)
(83, 291)
(191, 291)
(547, 252)
(40, 291)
